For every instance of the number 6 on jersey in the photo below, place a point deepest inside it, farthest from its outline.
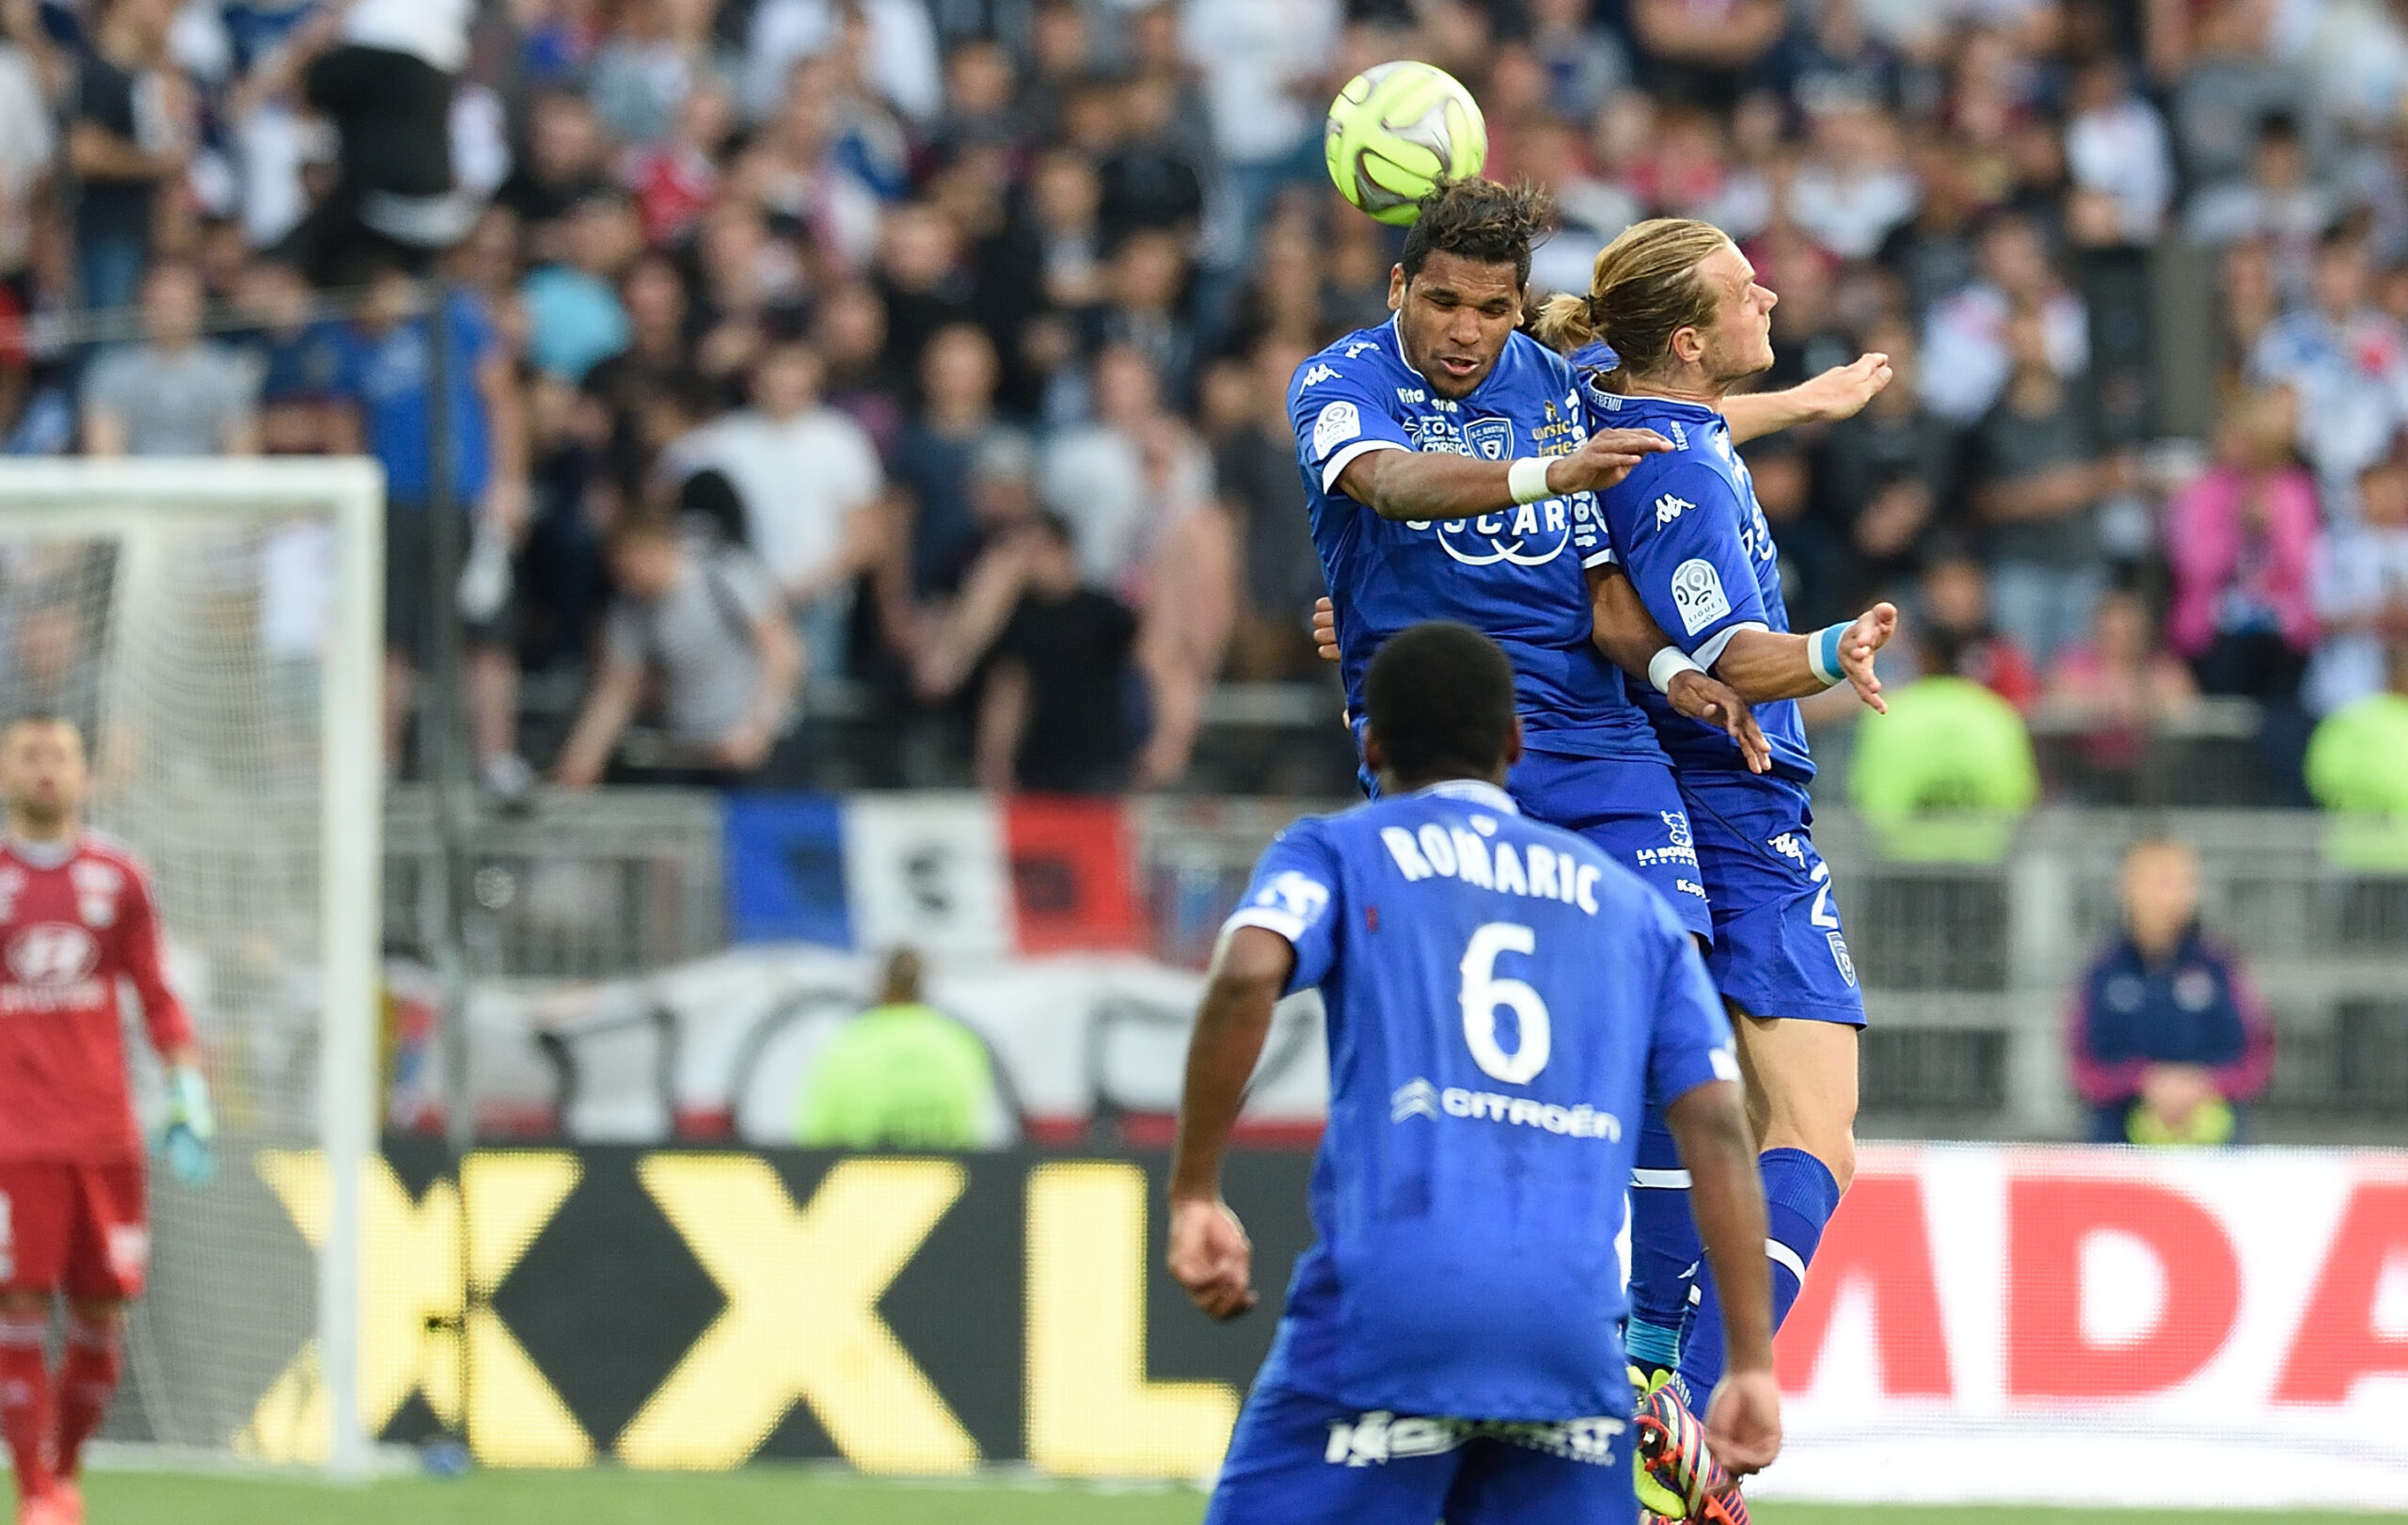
(1484, 991)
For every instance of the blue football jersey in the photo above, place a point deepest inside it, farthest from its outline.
(1687, 527)
(1502, 1000)
(1517, 575)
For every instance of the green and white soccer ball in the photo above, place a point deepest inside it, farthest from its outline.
(1395, 131)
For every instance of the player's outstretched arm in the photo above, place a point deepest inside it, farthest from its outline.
(1765, 665)
(1727, 1196)
(1209, 1252)
(1433, 485)
(1630, 639)
(1837, 394)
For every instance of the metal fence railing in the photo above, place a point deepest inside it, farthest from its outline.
(1967, 966)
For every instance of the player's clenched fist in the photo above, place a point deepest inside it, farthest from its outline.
(1210, 1255)
(1603, 460)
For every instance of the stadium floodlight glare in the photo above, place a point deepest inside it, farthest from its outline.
(217, 628)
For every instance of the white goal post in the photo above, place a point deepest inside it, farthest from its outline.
(218, 627)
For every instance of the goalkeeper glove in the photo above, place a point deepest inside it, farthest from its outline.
(192, 1127)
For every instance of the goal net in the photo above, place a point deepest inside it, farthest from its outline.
(215, 626)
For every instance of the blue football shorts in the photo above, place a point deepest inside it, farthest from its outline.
(1632, 810)
(1298, 1460)
(1779, 949)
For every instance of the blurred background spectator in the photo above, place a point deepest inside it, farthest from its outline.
(902, 275)
(2169, 1039)
(902, 1074)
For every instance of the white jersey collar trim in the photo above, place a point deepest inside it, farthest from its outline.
(1479, 790)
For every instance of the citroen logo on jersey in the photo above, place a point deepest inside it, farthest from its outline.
(51, 953)
(1416, 1098)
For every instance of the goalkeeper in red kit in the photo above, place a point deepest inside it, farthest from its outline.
(75, 919)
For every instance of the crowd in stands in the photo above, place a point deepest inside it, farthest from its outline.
(922, 362)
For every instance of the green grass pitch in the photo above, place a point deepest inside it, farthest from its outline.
(785, 1496)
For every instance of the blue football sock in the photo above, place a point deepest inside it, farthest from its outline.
(1663, 1247)
(1801, 1195)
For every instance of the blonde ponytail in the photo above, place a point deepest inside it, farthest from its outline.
(1563, 323)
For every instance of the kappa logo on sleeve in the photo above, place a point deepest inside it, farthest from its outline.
(1697, 593)
(1318, 375)
(1669, 508)
(1338, 423)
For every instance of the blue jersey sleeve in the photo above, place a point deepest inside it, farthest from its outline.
(1673, 530)
(1692, 1036)
(1340, 411)
(1295, 894)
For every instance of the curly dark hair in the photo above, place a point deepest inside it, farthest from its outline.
(1479, 219)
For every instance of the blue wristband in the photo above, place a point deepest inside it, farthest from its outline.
(1823, 655)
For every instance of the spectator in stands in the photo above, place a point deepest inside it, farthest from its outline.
(1254, 461)
(2116, 145)
(389, 378)
(1966, 356)
(1880, 481)
(2169, 1036)
(2037, 474)
(661, 54)
(299, 361)
(2233, 86)
(703, 624)
(564, 165)
(131, 137)
(175, 394)
(2240, 543)
(2361, 592)
(937, 535)
(1055, 713)
(1953, 624)
(575, 318)
(2119, 685)
(1947, 771)
(2347, 362)
(810, 483)
(900, 1075)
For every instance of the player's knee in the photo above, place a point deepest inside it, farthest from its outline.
(1839, 1157)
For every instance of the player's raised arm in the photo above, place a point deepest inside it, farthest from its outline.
(1840, 392)
(1399, 483)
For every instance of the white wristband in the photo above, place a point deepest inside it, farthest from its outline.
(1526, 479)
(1668, 664)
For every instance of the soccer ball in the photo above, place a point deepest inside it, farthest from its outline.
(1395, 131)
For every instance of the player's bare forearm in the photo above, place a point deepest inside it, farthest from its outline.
(1423, 485)
(1727, 1198)
(1249, 970)
(1762, 666)
(1837, 394)
(1767, 665)
(1412, 485)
